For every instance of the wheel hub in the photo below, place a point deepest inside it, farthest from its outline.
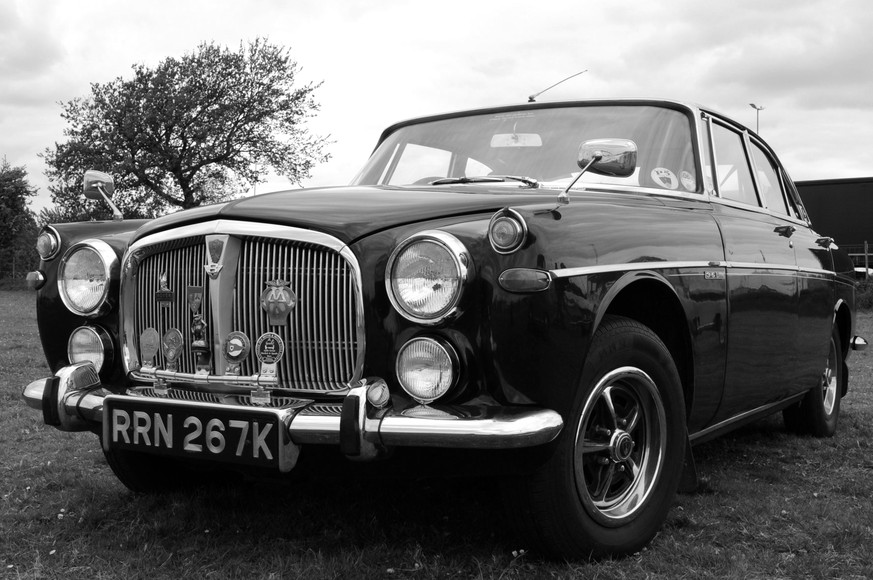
(621, 446)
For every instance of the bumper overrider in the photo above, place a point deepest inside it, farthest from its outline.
(75, 400)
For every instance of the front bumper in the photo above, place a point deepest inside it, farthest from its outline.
(73, 400)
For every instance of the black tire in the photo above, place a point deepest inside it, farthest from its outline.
(819, 411)
(611, 497)
(145, 473)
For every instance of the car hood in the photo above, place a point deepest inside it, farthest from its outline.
(350, 213)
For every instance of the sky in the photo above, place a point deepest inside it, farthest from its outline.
(809, 63)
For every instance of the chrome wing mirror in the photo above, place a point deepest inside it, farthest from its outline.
(98, 185)
(613, 157)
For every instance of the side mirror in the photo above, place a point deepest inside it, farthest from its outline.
(93, 181)
(98, 185)
(614, 157)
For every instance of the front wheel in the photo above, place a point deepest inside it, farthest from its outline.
(610, 482)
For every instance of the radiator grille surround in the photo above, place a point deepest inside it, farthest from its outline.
(323, 335)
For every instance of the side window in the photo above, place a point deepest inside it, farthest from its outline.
(733, 173)
(768, 180)
(419, 162)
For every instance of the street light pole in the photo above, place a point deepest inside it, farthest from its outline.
(757, 116)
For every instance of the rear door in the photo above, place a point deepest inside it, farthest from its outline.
(762, 281)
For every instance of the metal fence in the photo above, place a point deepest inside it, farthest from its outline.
(860, 255)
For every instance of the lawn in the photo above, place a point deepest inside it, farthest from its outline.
(770, 505)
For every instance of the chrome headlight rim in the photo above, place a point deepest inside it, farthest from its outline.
(110, 269)
(105, 340)
(463, 266)
(508, 214)
(451, 355)
(54, 243)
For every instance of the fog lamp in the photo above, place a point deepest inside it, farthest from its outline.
(92, 344)
(426, 369)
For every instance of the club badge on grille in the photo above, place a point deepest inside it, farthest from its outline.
(198, 325)
(149, 345)
(215, 245)
(269, 350)
(278, 300)
(236, 347)
(164, 296)
(171, 346)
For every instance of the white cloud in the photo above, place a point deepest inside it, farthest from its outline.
(386, 60)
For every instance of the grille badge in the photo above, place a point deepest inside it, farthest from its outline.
(269, 350)
(164, 296)
(236, 347)
(149, 344)
(215, 245)
(171, 346)
(199, 345)
(278, 300)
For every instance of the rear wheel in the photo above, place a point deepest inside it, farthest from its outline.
(610, 482)
(819, 411)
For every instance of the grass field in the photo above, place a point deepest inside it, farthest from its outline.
(770, 505)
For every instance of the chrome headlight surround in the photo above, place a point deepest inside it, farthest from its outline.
(48, 243)
(454, 270)
(105, 266)
(94, 345)
(507, 231)
(427, 368)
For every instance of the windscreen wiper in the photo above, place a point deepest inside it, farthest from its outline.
(529, 181)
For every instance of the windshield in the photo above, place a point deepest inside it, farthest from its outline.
(541, 144)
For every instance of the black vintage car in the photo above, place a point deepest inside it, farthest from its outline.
(584, 290)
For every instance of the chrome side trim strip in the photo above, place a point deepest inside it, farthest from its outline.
(676, 265)
(635, 266)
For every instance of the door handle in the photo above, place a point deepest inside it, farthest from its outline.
(825, 241)
(786, 231)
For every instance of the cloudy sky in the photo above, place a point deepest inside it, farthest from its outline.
(808, 62)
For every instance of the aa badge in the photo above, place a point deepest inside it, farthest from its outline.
(278, 300)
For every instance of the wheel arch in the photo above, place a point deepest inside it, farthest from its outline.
(649, 299)
(843, 326)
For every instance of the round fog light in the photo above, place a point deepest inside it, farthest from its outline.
(87, 343)
(426, 369)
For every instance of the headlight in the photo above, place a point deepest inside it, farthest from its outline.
(84, 276)
(48, 243)
(426, 275)
(426, 369)
(90, 344)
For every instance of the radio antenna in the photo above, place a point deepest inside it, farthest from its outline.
(533, 98)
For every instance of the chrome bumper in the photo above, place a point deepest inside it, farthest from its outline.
(73, 400)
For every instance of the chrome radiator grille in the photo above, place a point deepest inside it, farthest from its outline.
(320, 336)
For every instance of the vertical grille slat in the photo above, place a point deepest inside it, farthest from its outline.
(321, 342)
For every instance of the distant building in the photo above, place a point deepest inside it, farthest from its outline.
(841, 209)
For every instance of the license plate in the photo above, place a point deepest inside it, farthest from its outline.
(247, 436)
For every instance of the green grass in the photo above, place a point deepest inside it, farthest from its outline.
(770, 505)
